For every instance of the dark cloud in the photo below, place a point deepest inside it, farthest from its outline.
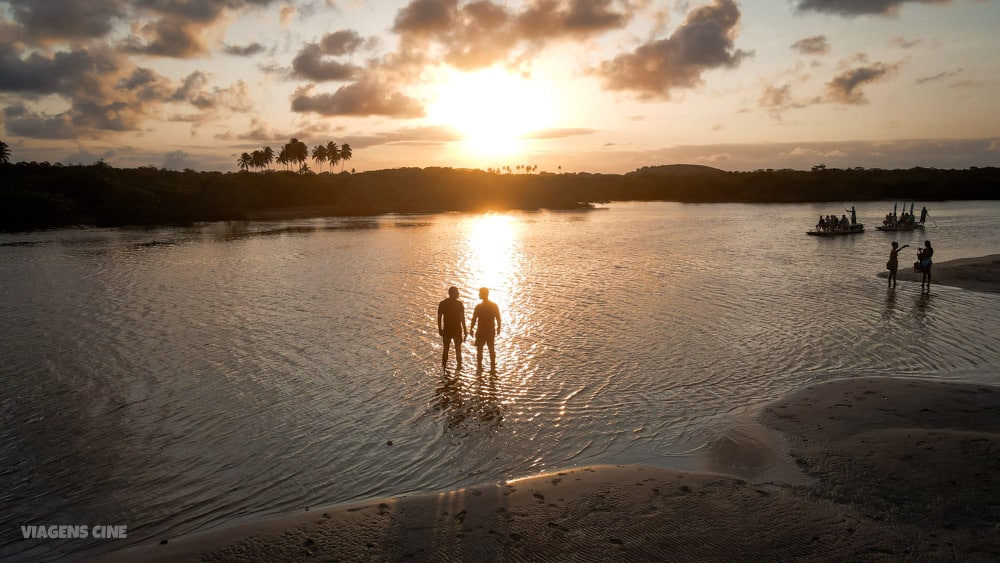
(168, 37)
(845, 88)
(858, 7)
(53, 20)
(426, 17)
(177, 160)
(243, 50)
(343, 42)
(178, 27)
(481, 33)
(363, 98)
(22, 122)
(815, 45)
(703, 41)
(946, 75)
(105, 91)
(313, 63)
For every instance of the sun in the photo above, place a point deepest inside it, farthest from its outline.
(492, 109)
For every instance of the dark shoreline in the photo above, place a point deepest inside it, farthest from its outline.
(39, 196)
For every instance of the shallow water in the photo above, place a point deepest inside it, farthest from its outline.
(179, 379)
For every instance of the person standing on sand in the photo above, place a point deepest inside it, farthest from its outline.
(451, 326)
(924, 256)
(486, 314)
(893, 264)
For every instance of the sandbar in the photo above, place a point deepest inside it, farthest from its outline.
(854, 469)
(975, 274)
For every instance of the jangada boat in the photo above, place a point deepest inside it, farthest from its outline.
(829, 226)
(906, 222)
(854, 229)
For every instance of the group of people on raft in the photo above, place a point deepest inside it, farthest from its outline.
(904, 221)
(830, 223)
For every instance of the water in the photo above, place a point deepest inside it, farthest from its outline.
(179, 379)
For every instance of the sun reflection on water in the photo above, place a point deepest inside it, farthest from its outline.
(492, 257)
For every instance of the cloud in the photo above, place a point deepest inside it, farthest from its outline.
(815, 45)
(105, 91)
(55, 20)
(852, 8)
(312, 63)
(481, 33)
(703, 41)
(558, 133)
(845, 88)
(411, 135)
(22, 122)
(363, 98)
(938, 77)
(244, 50)
(177, 160)
(178, 27)
(904, 43)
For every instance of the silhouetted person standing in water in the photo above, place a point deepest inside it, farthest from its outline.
(893, 264)
(451, 326)
(487, 314)
(924, 255)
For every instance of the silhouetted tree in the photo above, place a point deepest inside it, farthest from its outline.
(283, 157)
(245, 161)
(319, 155)
(345, 154)
(297, 152)
(268, 156)
(258, 160)
(332, 154)
(4, 153)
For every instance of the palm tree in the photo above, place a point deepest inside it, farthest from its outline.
(4, 153)
(244, 161)
(257, 159)
(319, 155)
(283, 157)
(268, 157)
(345, 155)
(297, 151)
(332, 154)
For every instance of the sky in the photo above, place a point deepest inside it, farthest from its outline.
(603, 86)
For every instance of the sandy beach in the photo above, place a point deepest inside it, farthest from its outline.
(852, 469)
(976, 274)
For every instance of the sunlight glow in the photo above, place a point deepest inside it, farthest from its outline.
(493, 109)
(492, 254)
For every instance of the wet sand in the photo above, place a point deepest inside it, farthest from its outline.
(976, 274)
(857, 469)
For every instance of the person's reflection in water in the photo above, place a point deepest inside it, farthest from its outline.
(890, 304)
(923, 306)
(469, 407)
(451, 327)
(487, 315)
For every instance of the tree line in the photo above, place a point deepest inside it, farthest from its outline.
(40, 195)
(296, 153)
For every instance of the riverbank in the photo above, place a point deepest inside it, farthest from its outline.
(853, 469)
(42, 196)
(975, 274)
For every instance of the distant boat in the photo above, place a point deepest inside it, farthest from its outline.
(854, 229)
(835, 228)
(906, 222)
